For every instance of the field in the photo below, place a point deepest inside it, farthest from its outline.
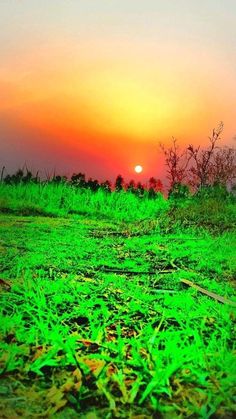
(95, 319)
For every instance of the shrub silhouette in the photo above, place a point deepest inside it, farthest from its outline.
(198, 167)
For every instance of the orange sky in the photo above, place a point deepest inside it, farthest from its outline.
(96, 90)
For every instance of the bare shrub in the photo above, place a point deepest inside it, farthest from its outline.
(200, 172)
(176, 162)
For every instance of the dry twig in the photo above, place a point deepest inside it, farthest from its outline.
(209, 293)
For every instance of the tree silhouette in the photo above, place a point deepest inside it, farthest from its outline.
(130, 187)
(78, 180)
(106, 186)
(16, 178)
(140, 190)
(155, 185)
(93, 184)
(27, 177)
(119, 183)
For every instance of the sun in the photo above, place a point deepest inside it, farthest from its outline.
(138, 169)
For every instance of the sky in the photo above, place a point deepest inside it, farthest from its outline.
(94, 86)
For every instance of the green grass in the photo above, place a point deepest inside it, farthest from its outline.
(63, 199)
(95, 321)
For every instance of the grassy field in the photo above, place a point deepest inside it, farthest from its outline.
(95, 321)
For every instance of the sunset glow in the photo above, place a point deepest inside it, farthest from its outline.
(88, 88)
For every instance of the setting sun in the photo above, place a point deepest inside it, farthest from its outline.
(138, 169)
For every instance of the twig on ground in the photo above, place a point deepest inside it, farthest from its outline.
(209, 293)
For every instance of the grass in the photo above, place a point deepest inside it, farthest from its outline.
(63, 199)
(95, 320)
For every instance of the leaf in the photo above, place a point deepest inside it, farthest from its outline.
(150, 387)
(56, 397)
(78, 378)
(101, 385)
(95, 365)
(40, 350)
(134, 391)
(5, 284)
(111, 369)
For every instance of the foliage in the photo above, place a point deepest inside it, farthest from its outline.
(21, 176)
(179, 191)
(94, 319)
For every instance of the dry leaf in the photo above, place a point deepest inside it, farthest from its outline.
(95, 365)
(56, 397)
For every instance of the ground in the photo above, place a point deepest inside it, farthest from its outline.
(96, 322)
